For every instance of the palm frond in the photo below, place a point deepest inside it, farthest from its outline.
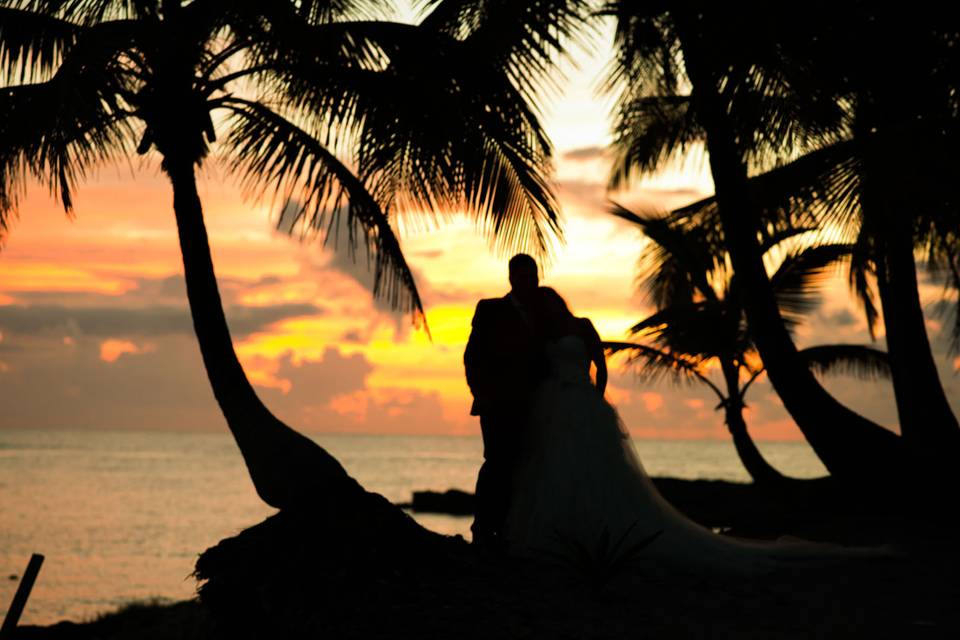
(648, 133)
(91, 12)
(798, 282)
(781, 117)
(477, 146)
(325, 11)
(943, 260)
(780, 236)
(436, 129)
(523, 38)
(31, 44)
(700, 330)
(819, 189)
(654, 364)
(273, 154)
(676, 266)
(56, 131)
(861, 276)
(277, 35)
(861, 361)
(648, 59)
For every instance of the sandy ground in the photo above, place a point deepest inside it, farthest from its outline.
(311, 575)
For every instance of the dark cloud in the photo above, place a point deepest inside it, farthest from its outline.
(672, 193)
(331, 394)
(585, 153)
(57, 386)
(588, 198)
(169, 290)
(138, 321)
(354, 262)
(654, 200)
(6, 346)
(583, 190)
(842, 318)
(676, 414)
(354, 335)
(594, 199)
(52, 385)
(269, 280)
(244, 320)
(172, 287)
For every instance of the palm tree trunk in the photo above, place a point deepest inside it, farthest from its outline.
(287, 468)
(928, 424)
(850, 446)
(761, 471)
(887, 125)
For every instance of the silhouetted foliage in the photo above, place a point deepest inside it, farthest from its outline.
(346, 119)
(700, 317)
(594, 564)
(695, 75)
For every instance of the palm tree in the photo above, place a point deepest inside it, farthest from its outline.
(350, 118)
(700, 318)
(892, 203)
(863, 182)
(694, 72)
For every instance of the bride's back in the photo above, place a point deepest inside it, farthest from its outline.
(569, 358)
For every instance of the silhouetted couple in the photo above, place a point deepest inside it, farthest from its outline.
(507, 364)
(560, 472)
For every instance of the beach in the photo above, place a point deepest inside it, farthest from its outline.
(121, 516)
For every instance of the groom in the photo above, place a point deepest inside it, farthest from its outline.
(503, 363)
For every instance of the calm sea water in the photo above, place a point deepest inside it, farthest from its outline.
(122, 516)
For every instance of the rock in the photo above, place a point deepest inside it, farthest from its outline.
(452, 501)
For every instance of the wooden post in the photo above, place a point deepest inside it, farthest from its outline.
(20, 597)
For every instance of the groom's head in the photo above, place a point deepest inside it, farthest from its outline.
(524, 277)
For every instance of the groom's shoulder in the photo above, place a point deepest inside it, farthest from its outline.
(492, 303)
(489, 306)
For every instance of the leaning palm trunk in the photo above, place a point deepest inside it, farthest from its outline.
(929, 427)
(99, 79)
(926, 420)
(287, 468)
(849, 445)
(761, 471)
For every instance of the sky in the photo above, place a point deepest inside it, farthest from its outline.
(95, 332)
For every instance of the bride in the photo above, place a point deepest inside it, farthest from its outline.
(582, 486)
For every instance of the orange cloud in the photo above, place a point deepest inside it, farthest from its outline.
(381, 376)
(351, 405)
(27, 276)
(652, 400)
(111, 350)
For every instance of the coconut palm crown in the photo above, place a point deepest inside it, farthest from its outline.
(348, 119)
(700, 321)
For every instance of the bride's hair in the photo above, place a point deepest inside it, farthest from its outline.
(552, 311)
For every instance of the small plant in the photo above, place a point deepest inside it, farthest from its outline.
(597, 564)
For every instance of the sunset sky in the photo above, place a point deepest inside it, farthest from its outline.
(94, 331)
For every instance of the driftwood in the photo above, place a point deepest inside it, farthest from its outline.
(20, 598)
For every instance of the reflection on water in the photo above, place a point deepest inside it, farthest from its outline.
(122, 515)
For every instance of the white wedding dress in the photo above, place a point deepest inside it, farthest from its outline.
(582, 483)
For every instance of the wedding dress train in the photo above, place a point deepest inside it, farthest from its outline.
(582, 486)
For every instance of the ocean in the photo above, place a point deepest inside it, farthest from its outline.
(122, 515)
